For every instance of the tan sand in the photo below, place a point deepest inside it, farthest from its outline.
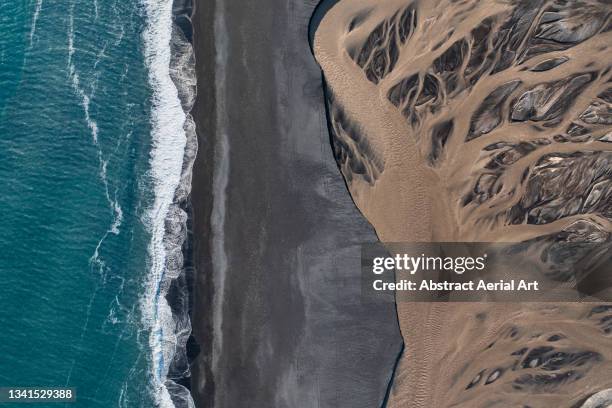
(483, 121)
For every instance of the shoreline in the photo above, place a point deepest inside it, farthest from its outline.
(176, 281)
(317, 16)
(202, 384)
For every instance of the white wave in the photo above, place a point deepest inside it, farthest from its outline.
(120, 36)
(37, 9)
(109, 363)
(100, 55)
(76, 83)
(96, 13)
(168, 149)
(85, 99)
(118, 216)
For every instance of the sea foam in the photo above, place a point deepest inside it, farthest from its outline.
(170, 62)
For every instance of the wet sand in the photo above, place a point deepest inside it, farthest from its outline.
(278, 314)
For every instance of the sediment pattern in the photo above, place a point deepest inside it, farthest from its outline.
(351, 148)
(486, 121)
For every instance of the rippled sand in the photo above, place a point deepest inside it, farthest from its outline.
(481, 121)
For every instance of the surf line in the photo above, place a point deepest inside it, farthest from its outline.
(170, 63)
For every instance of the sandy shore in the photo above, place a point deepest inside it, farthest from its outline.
(278, 314)
(481, 121)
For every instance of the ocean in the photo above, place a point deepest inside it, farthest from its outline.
(95, 159)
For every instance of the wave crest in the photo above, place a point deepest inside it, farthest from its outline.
(171, 63)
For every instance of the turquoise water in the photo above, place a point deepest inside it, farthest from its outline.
(77, 189)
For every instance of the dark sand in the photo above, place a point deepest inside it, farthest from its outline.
(278, 314)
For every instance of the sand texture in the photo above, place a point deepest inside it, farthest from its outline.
(483, 121)
(278, 314)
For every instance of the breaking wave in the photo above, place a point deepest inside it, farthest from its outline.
(170, 61)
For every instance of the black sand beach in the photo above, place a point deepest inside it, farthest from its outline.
(278, 314)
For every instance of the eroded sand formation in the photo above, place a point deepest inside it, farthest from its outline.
(481, 121)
